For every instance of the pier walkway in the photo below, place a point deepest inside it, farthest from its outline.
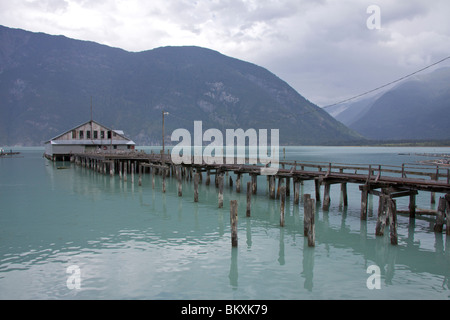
(385, 181)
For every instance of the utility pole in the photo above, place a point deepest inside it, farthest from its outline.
(163, 114)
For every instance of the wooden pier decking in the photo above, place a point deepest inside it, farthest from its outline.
(385, 181)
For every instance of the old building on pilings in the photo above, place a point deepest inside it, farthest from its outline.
(87, 137)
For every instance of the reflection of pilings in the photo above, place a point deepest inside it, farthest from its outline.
(282, 205)
(308, 266)
(233, 275)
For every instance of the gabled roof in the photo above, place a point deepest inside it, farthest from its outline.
(118, 132)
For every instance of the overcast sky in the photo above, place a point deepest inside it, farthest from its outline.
(323, 48)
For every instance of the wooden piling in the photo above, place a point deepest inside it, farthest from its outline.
(163, 180)
(282, 204)
(317, 187)
(196, 180)
(344, 194)
(381, 220)
(392, 210)
(140, 175)
(438, 227)
(412, 206)
(180, 182)
(238, 183)
(208, 178)
(153, 178)
(326, 197)
(272, 187)
(296, 191)
(364, 198)
(309, 220)
(220, 177)
(233, 222)
(288, 186)
(254, 183)
(249, 199)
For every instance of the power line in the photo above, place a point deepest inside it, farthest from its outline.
(388, 84)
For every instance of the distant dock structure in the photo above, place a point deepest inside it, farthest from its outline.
(9, 153)
(88, 137)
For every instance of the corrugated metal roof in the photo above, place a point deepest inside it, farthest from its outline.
(92, 142)
(119, 132)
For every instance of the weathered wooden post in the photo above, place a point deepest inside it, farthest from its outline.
(132, 173)
(196, 179)
(208, 177)
(254, 183)
(153, 178)
(249, 199)
(288, 186)
(238, 183)
(392, 209)
(280, 183)
(344, 194)
(180, 185)
(412, 206)
(220, 177)
(272, 186)
(438, 227)
(140, 175)
(231, 181)
(364, 198)
(309, 220)
(317, 186)
(164, 180)
(233, 222)
(326, 197)
(124, 172)
(296, 191)
(282, 204)
(306, 215)
(381, 220)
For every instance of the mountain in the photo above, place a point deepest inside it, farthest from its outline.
(416, 109)
(47, 82)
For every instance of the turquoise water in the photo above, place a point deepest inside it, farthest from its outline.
(132, 242)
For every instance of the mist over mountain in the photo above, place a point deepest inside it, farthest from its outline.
(46, 85)
(417, 109)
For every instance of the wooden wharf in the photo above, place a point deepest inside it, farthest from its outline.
(385, 181)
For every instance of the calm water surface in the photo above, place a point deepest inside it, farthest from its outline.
(133, 242)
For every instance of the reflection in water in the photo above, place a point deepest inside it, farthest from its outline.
(308, 265)
(233, 275)
(109, 226)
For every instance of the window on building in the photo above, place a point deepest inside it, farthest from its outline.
(115, 147)
(102, 134)
(109, 134)
(81, 134)
(95, 134)
(74, 134)
(88, 134)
